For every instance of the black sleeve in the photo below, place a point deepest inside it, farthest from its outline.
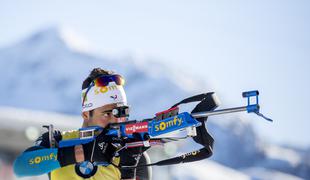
(41, 143)
(144, 173)
(65, 155)
(43, 140)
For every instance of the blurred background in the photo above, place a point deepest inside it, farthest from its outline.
(167, 51)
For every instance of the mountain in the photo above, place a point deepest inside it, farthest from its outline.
(45, 72)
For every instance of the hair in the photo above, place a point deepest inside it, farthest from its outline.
(96, 72)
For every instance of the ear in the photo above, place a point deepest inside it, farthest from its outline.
(85, 116)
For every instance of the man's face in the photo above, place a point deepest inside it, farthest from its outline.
(101, 116)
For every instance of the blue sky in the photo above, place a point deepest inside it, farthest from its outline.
(233, 45)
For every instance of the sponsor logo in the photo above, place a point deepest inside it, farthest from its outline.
(114, 97)
(87, 105)
(39, 159)
(194, 153)
(167, 124)
(138, 127)
(103, 146)
(105, 89)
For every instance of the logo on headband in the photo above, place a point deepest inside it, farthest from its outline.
(114, 97)
(88, 105)
(100, 96)
(105, 89)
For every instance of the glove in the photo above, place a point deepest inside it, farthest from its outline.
(44, 139)
(99, 150)
(102, 148)
(131, 157)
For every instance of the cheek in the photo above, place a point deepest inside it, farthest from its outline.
(103, 121)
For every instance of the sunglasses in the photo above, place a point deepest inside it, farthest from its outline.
(104, 80)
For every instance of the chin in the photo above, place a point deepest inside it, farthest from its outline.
(101, 125)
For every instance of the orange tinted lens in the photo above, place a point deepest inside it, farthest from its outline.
(106, 79)
(119, 80)
(102, 81)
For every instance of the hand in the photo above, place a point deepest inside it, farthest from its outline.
(101, 149)
(44, 141)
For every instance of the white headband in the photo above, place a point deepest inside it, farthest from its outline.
(100, 96)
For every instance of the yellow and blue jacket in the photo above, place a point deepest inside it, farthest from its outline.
(68, 172)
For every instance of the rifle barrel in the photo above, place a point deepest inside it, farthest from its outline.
(217, 112)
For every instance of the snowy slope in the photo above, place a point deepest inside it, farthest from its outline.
(239, 145)
(45, 71)
(208, 170)
(258, 173)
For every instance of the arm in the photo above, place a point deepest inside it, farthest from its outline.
(145, 172)
(36, 162)
(41, 159)
(131, 157)
(38, 159)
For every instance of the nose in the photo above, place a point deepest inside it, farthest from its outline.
(121, 119)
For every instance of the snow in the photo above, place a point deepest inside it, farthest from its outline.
(206, 170)
(267, 174)
(74, 40)
(24, 117)
(285, 154)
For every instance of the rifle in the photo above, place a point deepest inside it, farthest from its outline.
(152, 132)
